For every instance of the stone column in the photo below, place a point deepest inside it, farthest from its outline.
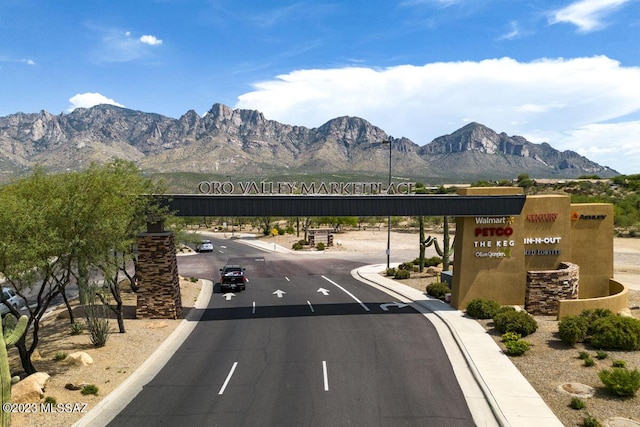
(159, 284)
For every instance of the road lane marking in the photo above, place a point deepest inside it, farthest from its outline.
(286, 278)
(279, 293)
(224, 386)
(311, 307)
(325, 375)
(346, 292)
(253, 311)
(323, 291)
(385, 307)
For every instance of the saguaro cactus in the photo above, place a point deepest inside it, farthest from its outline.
(10, 337)
(447, 246)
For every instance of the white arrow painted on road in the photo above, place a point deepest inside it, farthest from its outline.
(229, 295)
(323, 291)
(279, 293)
(385, 307)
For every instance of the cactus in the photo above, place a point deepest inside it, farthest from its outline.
(10, 337)
(447, 247)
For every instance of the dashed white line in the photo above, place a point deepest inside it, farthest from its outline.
(325, 375)
(253, 311)
(311, 307)
(346, 292)
(224, 386)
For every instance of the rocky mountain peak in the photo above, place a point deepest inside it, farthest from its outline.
(240, 141)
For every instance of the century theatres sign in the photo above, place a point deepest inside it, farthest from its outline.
(304, 188)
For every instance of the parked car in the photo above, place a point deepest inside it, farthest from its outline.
(233, 277)
(9, 296)
(204, 246)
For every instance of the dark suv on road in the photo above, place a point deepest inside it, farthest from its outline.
(232, 277)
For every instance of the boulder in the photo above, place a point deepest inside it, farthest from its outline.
(30, 389)
(79, 358)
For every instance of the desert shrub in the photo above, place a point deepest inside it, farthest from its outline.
(97, 320)
(601, 355)
(573, 329)
(89, 389)
(61, 355)
(616, 333)
(50, 400)
(297, 246)
(577, 403)
(402, 274)
(481, 308)
(619, 364)
(320, 246)
(76, 328)
(510, 336)
(438, 290)
(592, 315)
(583, 355)
(519, 322)
(589, 361)
(434, 261)
(590, 421)
(517, 347)
(621, 381)
(390, 272)
(428, 262)
(408, 266)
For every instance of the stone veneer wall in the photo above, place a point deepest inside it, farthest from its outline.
(546, 287)
(159, 292)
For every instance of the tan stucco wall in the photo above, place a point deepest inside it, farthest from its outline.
(546, 218)
(592, 247)
(493, 255)
(617, 300)
(500, 278)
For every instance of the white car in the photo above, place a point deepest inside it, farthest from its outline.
(204, 246)
(9, 297)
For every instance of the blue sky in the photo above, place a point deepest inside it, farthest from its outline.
(562, 72)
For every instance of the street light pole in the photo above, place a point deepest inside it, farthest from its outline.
(389, 141)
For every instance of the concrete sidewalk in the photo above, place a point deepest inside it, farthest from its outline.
(511, 399)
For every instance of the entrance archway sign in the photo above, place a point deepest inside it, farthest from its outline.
(343, 205)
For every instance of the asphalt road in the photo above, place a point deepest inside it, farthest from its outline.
(304, 345)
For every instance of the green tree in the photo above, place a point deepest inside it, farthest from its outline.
(65, 228)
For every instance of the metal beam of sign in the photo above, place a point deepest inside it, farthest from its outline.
(340, 205)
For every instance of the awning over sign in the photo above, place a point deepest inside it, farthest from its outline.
(341, 205)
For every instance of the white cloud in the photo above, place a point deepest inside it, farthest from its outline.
(89, 99)
(121, 46)
(587, 15)
(564, 99)
(150, 40)
(514, 32)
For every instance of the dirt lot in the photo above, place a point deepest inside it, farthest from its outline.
(112, 364)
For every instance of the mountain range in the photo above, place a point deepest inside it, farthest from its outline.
(242, 143)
